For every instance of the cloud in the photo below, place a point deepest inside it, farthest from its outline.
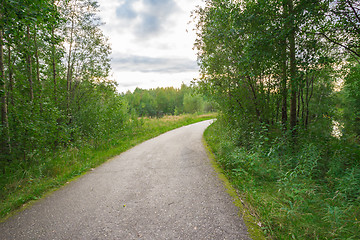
(133, 63)
(126, 11)
(149, 25)
(146, 17)
(129, 84)
(131, 80)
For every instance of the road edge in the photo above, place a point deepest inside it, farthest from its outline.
(253, 226)
(62, 183)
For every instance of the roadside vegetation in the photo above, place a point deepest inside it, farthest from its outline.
(285, 75)
(292, 200)
(60, 113)
(22, 182)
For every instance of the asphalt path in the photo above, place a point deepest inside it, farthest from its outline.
(164, 188)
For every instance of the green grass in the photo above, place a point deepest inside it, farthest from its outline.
(290, 204)
(23, 182)
(245, 211)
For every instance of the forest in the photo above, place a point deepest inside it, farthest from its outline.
(167, 101)
(286, 76)
(61, 115)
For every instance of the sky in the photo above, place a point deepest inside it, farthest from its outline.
(152, 42)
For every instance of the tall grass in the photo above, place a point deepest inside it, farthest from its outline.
(21, 182)
(312, 192)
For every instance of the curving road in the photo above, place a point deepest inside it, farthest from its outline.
(164, 188)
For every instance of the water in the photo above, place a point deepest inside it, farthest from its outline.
(337, 129)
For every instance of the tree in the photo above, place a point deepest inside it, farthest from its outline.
(342, 27)
(271, 67)
(193, 103)
(44, 83)
(5, 136)
(253, 53)
(169, 101)
(87, 48)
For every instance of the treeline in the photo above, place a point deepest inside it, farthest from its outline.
(286, 77)
(167, 101)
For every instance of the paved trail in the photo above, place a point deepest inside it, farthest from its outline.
(164, 188)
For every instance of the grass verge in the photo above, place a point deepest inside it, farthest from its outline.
(22, 183)
(291, 202)
(248, 214)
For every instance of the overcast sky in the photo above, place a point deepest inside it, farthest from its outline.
(151, 42)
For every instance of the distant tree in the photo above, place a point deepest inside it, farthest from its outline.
(193, 103)
(169, 101)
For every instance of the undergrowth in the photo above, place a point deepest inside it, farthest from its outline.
(23, 181)
(310, 192)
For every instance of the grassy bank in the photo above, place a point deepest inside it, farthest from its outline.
(244, 210)
(290, 204)
(23, 182)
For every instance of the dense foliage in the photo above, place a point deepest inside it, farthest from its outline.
(285, 74)
(167, 101)
(54, 61)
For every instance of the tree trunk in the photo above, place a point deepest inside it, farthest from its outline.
(298, 104)
(11, 80)
(37, 59)
(53, 52)
(5, 141)
(29, 65)
(293, 84)
(302, 105)
(308, 97)
(69, 68)
(284, 90)
(38, 82)
(255, 100)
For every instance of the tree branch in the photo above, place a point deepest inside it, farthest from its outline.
(354, 10)
(342, 45)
